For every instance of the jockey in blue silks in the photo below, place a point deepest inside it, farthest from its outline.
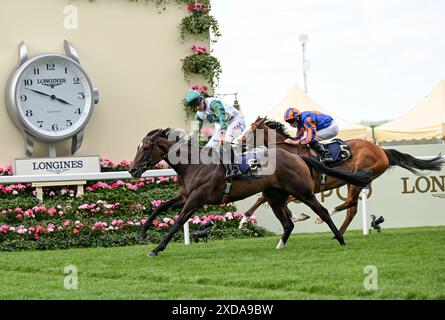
(312, 127)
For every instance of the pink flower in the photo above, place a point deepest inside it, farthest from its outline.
(4, 228)
(238, 214)
(19, 216)
(168, 221)
(52, 211)
(22, 229)
(229, 215)
(196, 220)
(156, 203)
(131, 187)
(40, 229)
(197, 7)
(207, 132)
(67, 223)
(197, 49)
(75, 231)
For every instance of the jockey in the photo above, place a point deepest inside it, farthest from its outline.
(229, 122)
(312, 127)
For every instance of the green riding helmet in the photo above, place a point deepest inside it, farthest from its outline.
(193, 98)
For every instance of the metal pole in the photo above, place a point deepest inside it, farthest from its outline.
(303, 44)
(186, 233)
(365, 211)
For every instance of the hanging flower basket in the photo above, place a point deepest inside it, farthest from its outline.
(202, 63)
(199, 22)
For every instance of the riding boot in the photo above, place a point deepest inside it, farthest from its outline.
(322, 153)
(234, 171)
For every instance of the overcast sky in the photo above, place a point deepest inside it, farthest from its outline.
(369, 59)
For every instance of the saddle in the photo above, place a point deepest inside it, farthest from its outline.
(248, 164)
(337, 151)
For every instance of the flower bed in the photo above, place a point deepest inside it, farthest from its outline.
(109, 214)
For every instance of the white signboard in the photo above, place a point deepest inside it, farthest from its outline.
(56, 166)
(402, 198)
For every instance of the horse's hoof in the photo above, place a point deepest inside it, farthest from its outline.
(152, 254)
(280, 245)
(302, 217)
(319, 221)
(242, 226)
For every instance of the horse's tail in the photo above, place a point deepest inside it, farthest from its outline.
(361, 178)
(412, 164)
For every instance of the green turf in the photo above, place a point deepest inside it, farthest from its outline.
(410, 264)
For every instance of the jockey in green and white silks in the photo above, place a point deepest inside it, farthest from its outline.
(229, 123)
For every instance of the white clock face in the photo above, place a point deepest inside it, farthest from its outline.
(53, 96)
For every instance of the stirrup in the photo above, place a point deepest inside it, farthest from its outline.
(235, 172)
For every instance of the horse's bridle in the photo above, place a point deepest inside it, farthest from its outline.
(150, 162)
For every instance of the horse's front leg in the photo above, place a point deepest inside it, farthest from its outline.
(192, 204)
(175, 203)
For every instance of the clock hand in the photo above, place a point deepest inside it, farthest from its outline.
(39, 92)
(53, 97)
(63, 101)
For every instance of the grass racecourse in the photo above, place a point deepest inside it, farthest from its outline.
(407, 264)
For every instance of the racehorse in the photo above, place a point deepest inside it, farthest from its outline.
(201, 183)
(365, 155)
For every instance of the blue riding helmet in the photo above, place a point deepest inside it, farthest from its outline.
(193, 98)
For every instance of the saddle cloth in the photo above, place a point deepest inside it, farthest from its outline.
(339, 150)
(250, 161)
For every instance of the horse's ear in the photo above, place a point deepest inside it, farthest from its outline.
(263, 120)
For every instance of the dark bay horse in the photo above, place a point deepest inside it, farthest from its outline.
(203, 183)
(365, 155)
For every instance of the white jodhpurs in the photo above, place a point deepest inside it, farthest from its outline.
(234, 130)
(328, 133)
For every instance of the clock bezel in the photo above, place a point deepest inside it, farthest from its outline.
(12, 103)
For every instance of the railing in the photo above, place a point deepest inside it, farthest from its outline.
(84, 176)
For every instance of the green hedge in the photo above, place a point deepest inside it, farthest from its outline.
(109, 214)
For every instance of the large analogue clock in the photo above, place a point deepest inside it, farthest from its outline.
(50, 97)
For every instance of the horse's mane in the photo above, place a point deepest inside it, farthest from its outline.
(168, 132)
(278, 127)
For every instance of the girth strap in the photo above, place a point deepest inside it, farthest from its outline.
(322, 182)
(227, 191)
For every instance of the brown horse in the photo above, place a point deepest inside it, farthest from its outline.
(365, 155)
(202, 183)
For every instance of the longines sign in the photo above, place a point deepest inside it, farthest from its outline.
(40, 166)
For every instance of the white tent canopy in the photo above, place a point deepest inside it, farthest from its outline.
(426, 121)
(299, 99)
